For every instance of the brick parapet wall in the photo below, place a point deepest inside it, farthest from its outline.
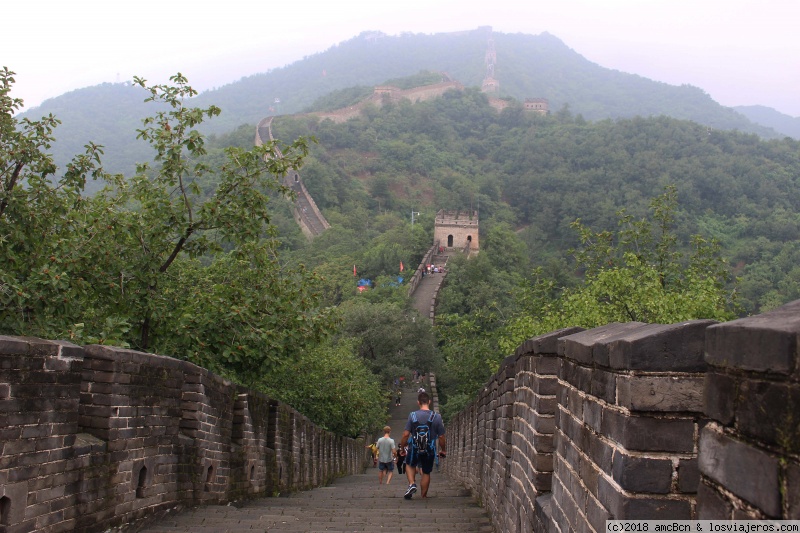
(98, 437)
(632, 421)
(750, 451)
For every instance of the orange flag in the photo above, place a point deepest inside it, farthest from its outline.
(401, 266)
(354, 271)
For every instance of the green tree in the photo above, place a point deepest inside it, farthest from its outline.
(47, 229)
(179, 259)
(389, 338)
(635, 274)
(335, 389)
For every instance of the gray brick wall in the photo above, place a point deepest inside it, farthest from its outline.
(629, 421)
(98, 437)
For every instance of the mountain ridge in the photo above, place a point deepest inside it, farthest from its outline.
(527, 66)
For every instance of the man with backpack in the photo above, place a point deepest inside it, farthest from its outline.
(423, 430)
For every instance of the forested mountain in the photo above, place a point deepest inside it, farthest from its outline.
(770, 118)
(539, 174)
(527, 66)
(199, 256)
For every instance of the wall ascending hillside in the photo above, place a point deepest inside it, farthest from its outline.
(98, 437)
(637, 421)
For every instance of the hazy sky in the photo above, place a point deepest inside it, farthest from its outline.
(741, 52)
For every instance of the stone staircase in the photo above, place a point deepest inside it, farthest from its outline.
(353, 503)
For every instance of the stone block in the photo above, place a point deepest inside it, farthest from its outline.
(762, 343)
(578, 376)
(604, 385)
(711, 505)
(770, 412)
(642, 474)
(601, 453)
(546, 366)
(661, 347)
(596, 514)
(581, 346)
(542, 385)
(750, 473)
(688, 475)
(792, 491)
(592, 413)
(660, 393)
(548, 343)
(542, 423)
(719, 397)
(627, 507)
(13, 345)
(646, 433)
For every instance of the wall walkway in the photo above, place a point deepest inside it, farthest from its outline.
(626, 421)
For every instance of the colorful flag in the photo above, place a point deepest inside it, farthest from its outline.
(401, 266)
(354, 271)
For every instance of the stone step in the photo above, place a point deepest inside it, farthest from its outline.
(353, 503)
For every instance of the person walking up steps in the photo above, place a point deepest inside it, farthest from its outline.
(423, 430)
(386, 453)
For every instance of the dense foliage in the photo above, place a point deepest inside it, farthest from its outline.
(540, 174)
(581, 223)
(179, 259)
(548, 185)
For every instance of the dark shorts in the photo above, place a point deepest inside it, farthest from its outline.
(386, 466)
(425, 462)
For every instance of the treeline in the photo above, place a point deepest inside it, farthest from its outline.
(539, 174)
(182, 258)
(196, 254)
(527, 66)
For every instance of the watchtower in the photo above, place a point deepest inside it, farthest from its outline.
(456, 230)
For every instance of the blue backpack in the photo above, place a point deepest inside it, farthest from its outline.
(421, 436)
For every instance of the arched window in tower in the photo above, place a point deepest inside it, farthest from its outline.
(449, 241)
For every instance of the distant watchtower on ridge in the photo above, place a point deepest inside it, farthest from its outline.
(457, 230)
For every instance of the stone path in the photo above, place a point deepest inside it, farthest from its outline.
(351, 504)
(423, 295)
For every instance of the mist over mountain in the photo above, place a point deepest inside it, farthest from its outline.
(766, 116)
(526, 66)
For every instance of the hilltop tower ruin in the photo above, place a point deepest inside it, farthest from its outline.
(457, 230)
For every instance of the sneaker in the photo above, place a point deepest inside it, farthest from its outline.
(410, 492)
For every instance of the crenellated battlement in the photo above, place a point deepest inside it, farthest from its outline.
(696, 420)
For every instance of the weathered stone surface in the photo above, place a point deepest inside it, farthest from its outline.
(642, 474)
(763, 343)
(770, 412)
(748, 472)
(641, 433)
(688, 475)
(548, 343)
(624, 507)
(792, 491)
(711, 505)
(590, 345)
(720, 393)
(660, 393)
(661, 347)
